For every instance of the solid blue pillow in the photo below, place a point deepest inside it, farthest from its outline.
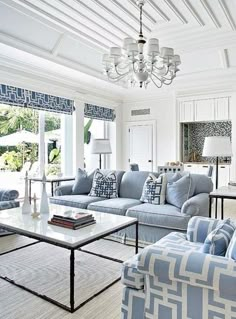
(178, 192)
(83, 182)
(231, 251)
(218, 240)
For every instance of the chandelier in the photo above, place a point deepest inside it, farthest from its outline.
(132, 64)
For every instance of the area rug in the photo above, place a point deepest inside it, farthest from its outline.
(45, 269)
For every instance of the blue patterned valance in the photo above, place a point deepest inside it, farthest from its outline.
(40, 101)
(99, 112)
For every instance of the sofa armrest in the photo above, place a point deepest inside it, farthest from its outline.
(64, 189)
(197, 205)
(190, 267)
(199, 227)
(8, 194)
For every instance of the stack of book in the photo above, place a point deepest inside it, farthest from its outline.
(72, 220)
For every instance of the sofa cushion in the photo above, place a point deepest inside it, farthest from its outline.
(131, 185)
(231, 250)
(83, 182)
(218, 240)
(79, 201)
(166, 216)
(179, 191)
(154, 190)
(104, 185)
(116, 206)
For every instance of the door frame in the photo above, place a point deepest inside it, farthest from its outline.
(128, 124)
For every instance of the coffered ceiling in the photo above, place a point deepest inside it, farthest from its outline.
(75, 33)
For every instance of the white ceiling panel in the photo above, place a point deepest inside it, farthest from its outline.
(25, 28)
(75, 51)
(75, 33)
(200, 61)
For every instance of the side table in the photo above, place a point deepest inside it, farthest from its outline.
(224, 192)
(53, 180)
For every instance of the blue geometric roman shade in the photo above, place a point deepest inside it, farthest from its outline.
(99, 112)
(40, 101)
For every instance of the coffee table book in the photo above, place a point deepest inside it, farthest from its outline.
(55, 223)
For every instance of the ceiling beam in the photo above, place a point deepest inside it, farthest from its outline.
(127, 12)
(33, 14)
(101, 5)
(227, 14)
(68, 26)
(90, 20)
(176, 11)
(193, 12)
(210, 13)
(145, 13)
(158, 10)
(96, 33)
(109, 22)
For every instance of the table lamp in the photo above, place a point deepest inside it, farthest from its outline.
(217, 146)
(101, 146)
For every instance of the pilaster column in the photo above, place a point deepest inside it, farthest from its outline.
(41, 156)
(78, 135)
(67, 145)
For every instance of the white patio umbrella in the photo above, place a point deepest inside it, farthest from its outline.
(19, 137)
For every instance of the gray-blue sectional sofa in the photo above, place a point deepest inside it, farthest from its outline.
(155, 221)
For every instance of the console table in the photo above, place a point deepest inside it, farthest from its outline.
(224, 192)
(53, 180)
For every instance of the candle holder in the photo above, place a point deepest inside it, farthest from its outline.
(35, 214)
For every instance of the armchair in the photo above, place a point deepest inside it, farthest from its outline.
(174, 279)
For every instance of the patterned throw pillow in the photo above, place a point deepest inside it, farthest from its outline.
(154, 190)
(218, 240)
(104, 185)
(231, 251)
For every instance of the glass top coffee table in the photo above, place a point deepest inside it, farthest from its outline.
(39, 229)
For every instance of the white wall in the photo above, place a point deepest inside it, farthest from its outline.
(162, 110)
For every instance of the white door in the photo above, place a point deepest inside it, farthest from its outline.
(141, 146)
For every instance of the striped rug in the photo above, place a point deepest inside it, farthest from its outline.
(45, 268)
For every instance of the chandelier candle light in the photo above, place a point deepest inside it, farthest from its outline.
(130, 62)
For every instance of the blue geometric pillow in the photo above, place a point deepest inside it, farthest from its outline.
(104, 185)
(231, 251)
(218, 240)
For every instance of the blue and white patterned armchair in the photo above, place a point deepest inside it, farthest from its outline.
(8, 200)
(173, 279)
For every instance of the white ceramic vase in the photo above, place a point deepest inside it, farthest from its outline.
(44, 207)
(26, 207)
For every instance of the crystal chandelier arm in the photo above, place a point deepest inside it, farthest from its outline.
(164, 66)
(155, 82)
(117, 78)
(117, 71)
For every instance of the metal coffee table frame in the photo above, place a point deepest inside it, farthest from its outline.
(72, 308)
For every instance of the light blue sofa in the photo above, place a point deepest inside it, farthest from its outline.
(155, 221)
(172, 279)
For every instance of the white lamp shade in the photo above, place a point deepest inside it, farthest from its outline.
(217, 146)
(101, 146)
